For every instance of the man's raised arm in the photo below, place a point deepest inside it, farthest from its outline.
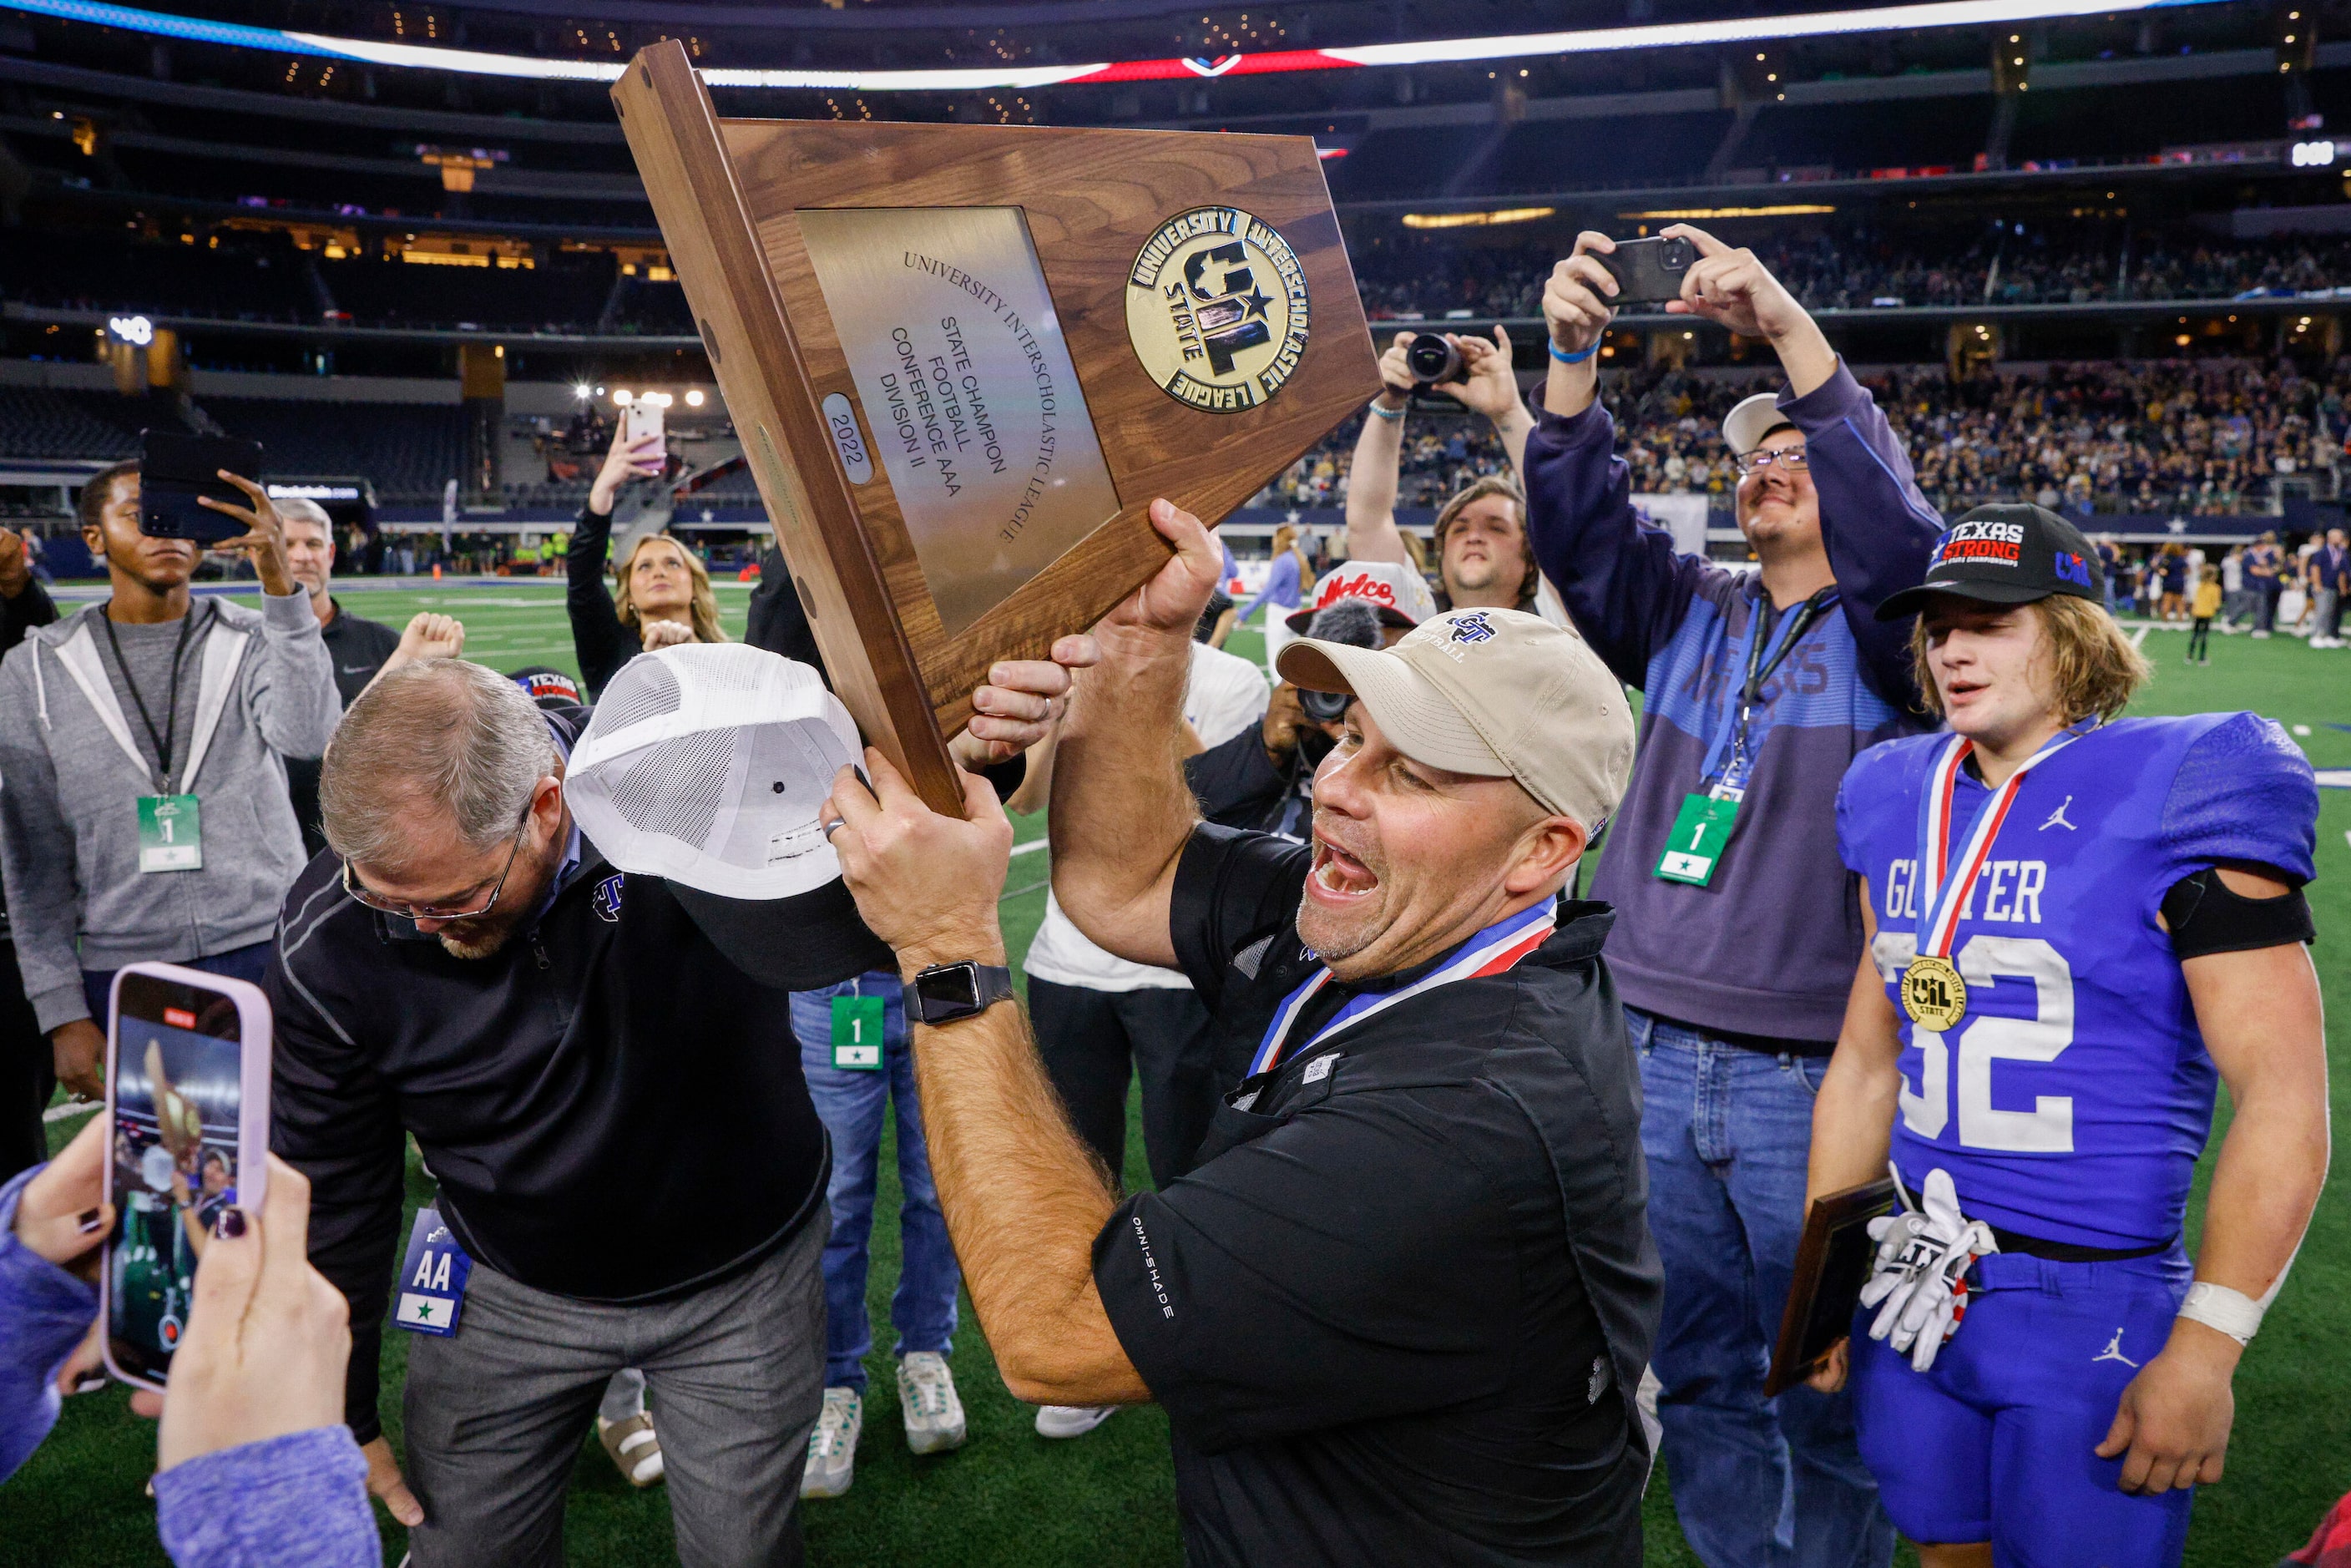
(1121, 812)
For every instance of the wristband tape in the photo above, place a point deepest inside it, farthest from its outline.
(1567, 358)
(1389, 414)
(2231, 1311)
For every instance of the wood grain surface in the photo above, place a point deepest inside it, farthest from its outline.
(1091, 198)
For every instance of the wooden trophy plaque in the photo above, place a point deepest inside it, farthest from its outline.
(963, 360)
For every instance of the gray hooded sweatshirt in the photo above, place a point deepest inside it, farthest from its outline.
(74, 760)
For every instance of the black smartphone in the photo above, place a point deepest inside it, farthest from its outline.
(187, 1092)
(174, 469)
(1648, 271)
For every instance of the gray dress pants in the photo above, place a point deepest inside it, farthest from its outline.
(496, 1413)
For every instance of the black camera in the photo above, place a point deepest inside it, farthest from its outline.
(1648, 271)
(1432, 358)
(1324, 708)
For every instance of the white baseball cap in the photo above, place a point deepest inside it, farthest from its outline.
(1399, 593)
(1744, 427)
(704, 763)
(1495, 694)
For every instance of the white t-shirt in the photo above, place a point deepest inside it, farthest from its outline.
(1226, 694)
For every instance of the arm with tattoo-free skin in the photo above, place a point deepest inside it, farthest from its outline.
(2261, 1015)
(1024, 1199)
(1122, 813)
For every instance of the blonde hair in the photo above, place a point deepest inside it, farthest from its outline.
(2093, 666)
(1500, 485)
(703, 604)
(1415, 550)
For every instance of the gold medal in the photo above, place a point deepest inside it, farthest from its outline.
(1933, 994)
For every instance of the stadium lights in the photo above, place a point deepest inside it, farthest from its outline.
(2314, 154)
(1422, 52)
(694, 398)
(622, 397)
(580, 392)
(1788, 210)
(134, 329)
(1475, 220)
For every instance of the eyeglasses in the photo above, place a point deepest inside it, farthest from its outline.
(1790, 459)
(428, 912)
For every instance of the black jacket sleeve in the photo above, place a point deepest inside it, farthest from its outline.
(599, 641)
(332, 1119)
(778, 621)
(32, 607)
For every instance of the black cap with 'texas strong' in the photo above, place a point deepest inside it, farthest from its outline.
(2007, 554)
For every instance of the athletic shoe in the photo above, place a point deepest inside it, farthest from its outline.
(2258, 633)
(635, 1451)
(927, 1399)
(1072, 1420)
(832, 1446)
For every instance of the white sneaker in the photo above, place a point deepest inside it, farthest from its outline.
(832, 1446)
(926, 1397)
(1072, 1420)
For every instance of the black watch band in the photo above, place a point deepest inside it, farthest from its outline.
(945, 992)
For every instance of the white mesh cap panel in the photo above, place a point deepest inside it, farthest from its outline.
(706, 764)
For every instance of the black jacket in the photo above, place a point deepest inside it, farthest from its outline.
(359, 648)
(612, 1103)
(599, 641)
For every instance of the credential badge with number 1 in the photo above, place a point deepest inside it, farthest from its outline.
(857, 1033)
(171, 835)
(1699, 835)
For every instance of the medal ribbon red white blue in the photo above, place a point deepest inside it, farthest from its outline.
(1942, 897)
(1496, 948)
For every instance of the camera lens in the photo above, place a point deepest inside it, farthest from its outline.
(1431, 359)
(1323, 707)
(1677, 255)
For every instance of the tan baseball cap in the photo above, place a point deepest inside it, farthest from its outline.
(1495, 694)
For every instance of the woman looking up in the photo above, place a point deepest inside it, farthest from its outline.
(664, 595)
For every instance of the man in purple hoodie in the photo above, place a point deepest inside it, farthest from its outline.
(1738, 928)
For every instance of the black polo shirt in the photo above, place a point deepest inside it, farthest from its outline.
(1397, 1311)
(358, 648)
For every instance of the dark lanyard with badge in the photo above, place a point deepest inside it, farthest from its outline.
(1702, 828)
(171, 833)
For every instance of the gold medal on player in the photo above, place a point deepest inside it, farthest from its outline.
(1933, 994)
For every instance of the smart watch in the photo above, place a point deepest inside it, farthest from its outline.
(945, 992)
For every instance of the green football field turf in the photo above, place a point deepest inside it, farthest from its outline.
(1008, 1497)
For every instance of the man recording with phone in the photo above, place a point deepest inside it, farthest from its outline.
(144, 743)
(1738, 927)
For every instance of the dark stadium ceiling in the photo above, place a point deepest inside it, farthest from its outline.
(1018, 71)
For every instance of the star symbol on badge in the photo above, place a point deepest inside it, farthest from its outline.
(425, 1311)
(1256, 301)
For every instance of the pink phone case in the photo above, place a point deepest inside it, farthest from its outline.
(253, 1036)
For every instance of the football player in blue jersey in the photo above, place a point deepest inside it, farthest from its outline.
(2078, 925)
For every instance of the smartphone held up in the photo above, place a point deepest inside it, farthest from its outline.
(176, 470)
(187, 1098)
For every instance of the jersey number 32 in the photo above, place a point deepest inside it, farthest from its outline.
(1983, 1040)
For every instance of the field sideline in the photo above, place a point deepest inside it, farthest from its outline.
(1010, 1498)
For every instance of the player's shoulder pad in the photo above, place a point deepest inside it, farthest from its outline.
(2242, 791)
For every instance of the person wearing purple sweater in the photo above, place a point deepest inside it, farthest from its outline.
(1738, 928)
(254, 1468)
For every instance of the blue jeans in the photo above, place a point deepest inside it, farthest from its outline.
(851, 1103)
(1757, 1483)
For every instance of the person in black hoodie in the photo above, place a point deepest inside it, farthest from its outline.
(27, 1078)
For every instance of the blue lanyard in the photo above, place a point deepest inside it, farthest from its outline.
(1763, 657)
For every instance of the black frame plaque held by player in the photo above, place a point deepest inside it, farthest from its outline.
(1832, 1265)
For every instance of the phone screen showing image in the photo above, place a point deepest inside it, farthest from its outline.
(178, 1101)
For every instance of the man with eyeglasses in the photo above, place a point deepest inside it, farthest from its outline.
(600, 1071)
(1738, 928)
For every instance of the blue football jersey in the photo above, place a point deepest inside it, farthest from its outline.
(2073, 1099)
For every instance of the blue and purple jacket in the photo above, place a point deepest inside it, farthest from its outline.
(1769, 945)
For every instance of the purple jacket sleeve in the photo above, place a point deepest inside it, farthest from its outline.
(1879, 530)
(297, 1500)
(43, 1312)
(1619, 577)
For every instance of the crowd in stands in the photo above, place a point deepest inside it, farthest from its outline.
(1414, 276)
(255, 276)
(2192, 438)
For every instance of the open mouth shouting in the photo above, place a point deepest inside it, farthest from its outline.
(1339, 879)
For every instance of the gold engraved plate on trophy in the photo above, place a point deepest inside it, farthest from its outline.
(1216, 310)
(966, 383)
(1933, 994)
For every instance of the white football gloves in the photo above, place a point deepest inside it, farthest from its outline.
(1921, 1273)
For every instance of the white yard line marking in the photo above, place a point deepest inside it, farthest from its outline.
(2138, 638)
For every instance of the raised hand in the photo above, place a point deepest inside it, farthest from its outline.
(1575, 300)
(264, 540)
